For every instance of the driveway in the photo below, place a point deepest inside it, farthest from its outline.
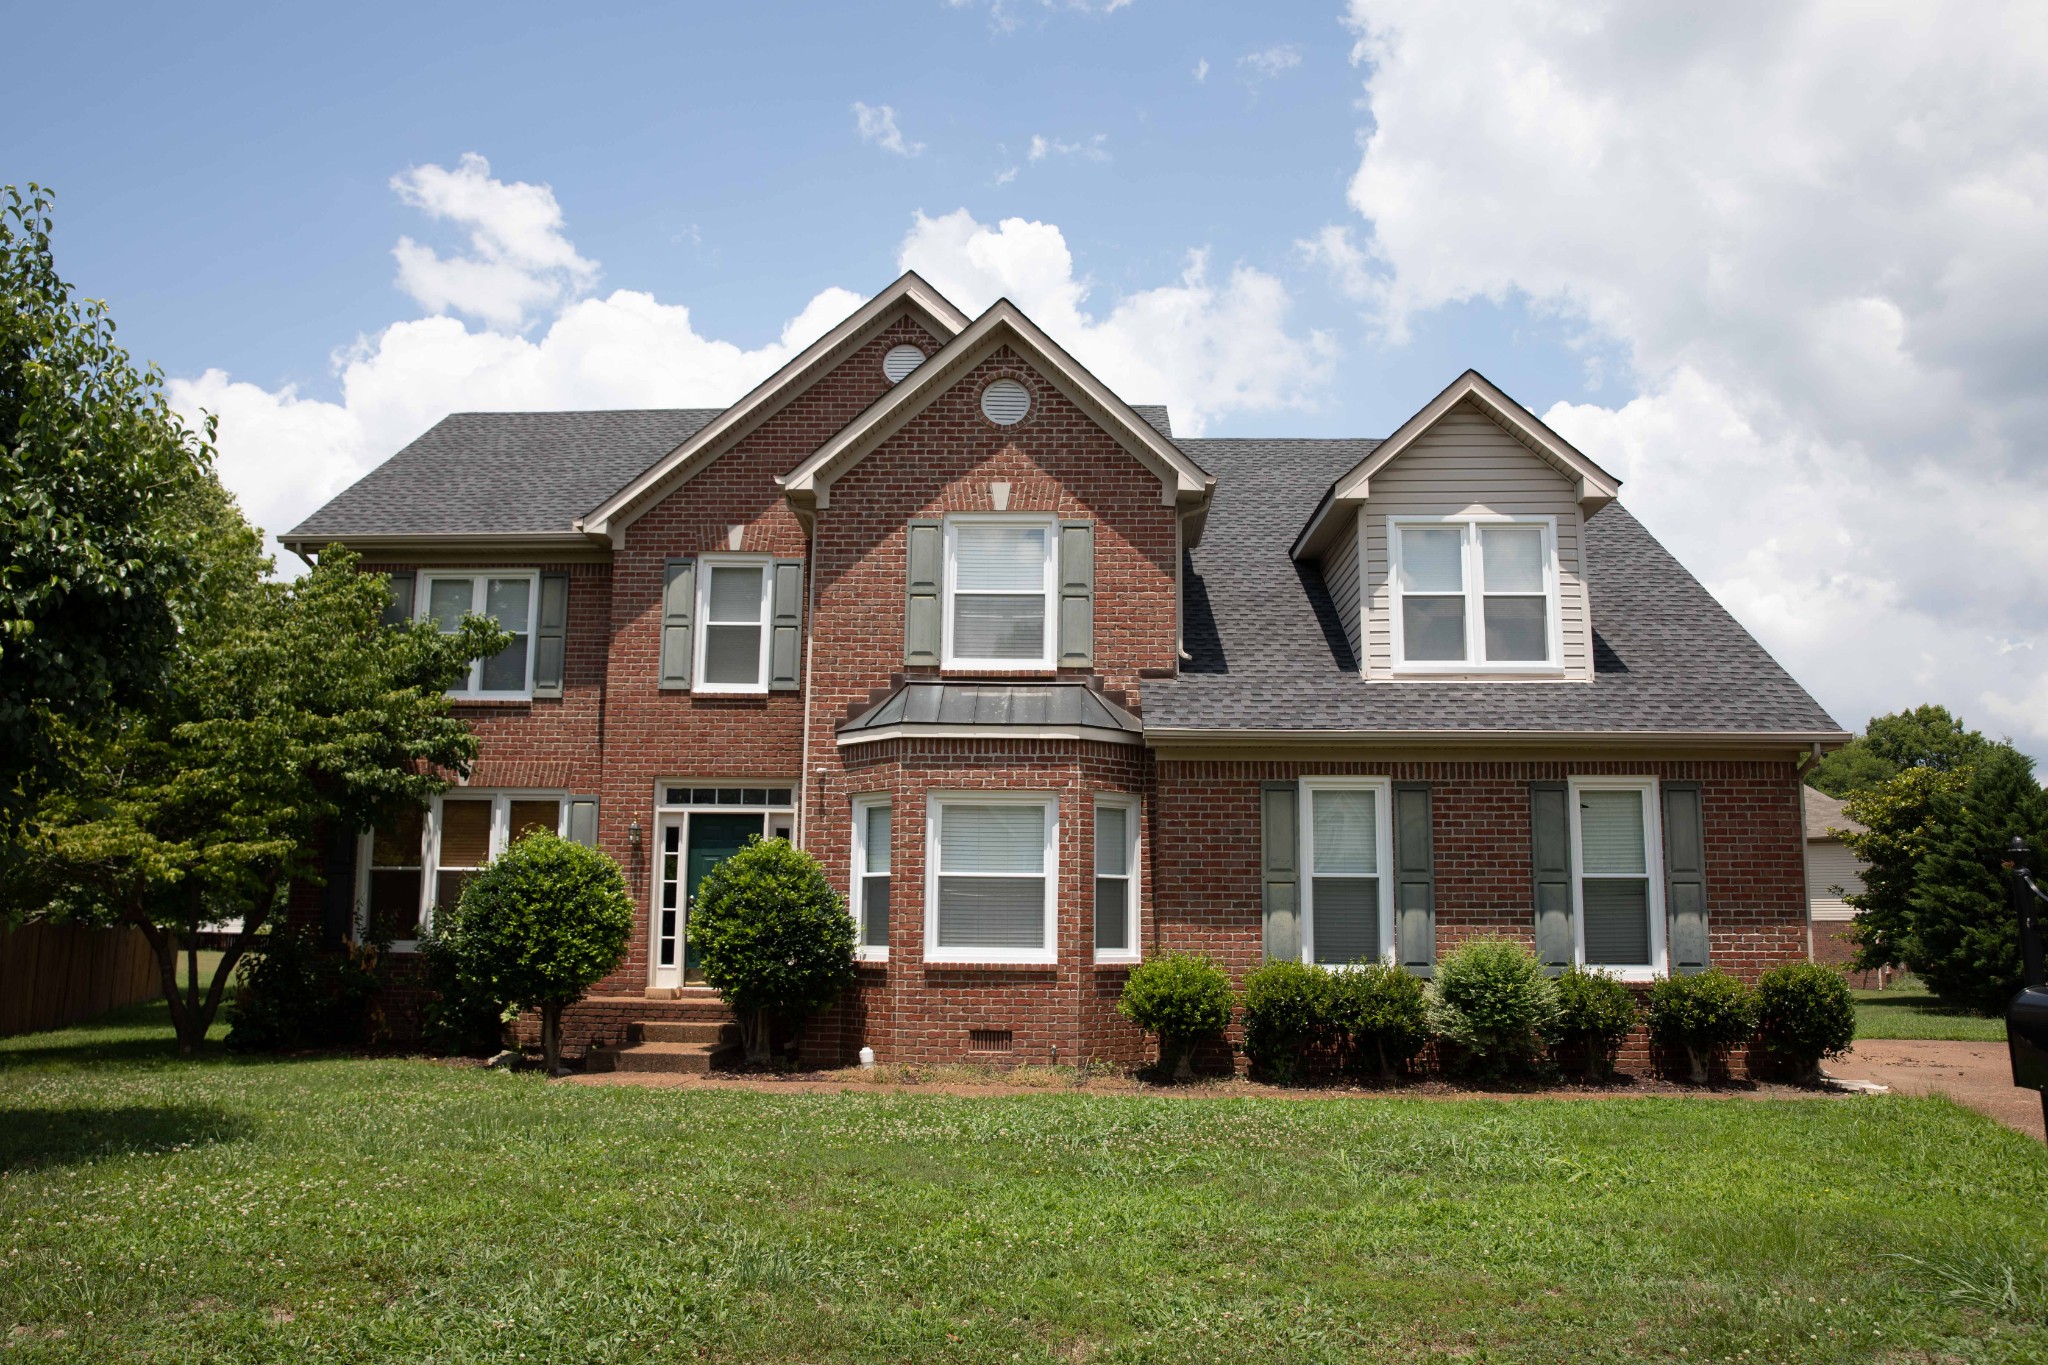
(1978, 1075)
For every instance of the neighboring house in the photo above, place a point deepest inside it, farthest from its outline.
(1832, 871)
(1047, 689)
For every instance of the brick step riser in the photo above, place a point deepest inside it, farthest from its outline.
(691, 1031)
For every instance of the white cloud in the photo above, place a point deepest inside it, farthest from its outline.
(1819, 232)
(1088, 149)
(877, 125)
(1201, 70)
(1006, 175)
(1206, 348)
(1272, 61)
(1003, 15)
(520, 261)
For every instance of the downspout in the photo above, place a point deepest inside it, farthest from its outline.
(803, 770)
(1799, 771)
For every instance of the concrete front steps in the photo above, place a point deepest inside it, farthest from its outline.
(696, 1036)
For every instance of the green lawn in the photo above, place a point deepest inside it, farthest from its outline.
(364, 1210)
(1908, 1010)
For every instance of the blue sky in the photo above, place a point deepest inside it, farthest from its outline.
(1780, 266)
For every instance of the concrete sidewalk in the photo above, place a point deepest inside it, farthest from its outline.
(1978, 1075)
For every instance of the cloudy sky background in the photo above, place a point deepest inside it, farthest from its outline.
(1779, 266)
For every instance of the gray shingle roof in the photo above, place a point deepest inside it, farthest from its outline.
(944, 703)
(503, 473)
(1269, 652)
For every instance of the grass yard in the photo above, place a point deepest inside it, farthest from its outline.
(1909, 1010)
(342, 1209)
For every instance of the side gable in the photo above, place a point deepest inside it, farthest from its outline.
(909, 298)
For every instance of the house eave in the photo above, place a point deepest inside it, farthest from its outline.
(1170, 736)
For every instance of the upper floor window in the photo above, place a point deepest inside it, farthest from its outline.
(734, 604)
(507, 598)
(1474, 594)
(1001, 576)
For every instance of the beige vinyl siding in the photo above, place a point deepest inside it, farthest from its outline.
(1468, 464)
(1829, 864)
(1340, 576)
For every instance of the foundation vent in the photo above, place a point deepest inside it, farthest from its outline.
(990, 1040)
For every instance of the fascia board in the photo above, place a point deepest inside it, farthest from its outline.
(1218, 737)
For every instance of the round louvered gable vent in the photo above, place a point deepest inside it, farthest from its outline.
(1005, 402)
(900, 361)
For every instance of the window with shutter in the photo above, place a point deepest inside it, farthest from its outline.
(1000, 581)
(734, 623)
(508, 598)
(1347, 908)
(1617, 878)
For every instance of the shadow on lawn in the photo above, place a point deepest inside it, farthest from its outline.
(31, 1138)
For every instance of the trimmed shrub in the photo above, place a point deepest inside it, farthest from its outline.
(543, 923)
(774, 938)
(1596, 1013)
(1705, 1014)
(466, 1017)
(1287, 1006)
(1804, 1013)
(1492, 1003)
(1383, 1010)
(292, 991)
(1183, 998)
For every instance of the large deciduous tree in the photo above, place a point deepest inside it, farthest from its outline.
(95, 557)
(1923, 737)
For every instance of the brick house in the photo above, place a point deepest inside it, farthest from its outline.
(1048, 690)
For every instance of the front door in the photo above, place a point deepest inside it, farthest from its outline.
(713, 837)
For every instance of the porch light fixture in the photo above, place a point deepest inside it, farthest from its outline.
(633, 835)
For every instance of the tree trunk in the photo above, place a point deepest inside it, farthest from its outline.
(551, 1036)
(754, 1034)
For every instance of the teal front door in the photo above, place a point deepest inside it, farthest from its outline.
(713, 837)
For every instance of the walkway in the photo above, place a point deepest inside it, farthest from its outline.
(1978, 1075)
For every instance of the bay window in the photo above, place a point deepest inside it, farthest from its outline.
(507, 597)
(1473, 594)
(1116, 879)
(991, 881)
(1000, 585)
(871, 840)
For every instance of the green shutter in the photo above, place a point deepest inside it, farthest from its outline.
(926, 553)
(399, 609)
(1550, 859)
(785, 650)
(1414, 878)
(678, 601)
(1685, 877)
(1280, 869)
(550, 636)
(338, 897)
(583, 821)
(1077, 594)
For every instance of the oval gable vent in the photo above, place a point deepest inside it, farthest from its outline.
(1005, 402)
(900, 361)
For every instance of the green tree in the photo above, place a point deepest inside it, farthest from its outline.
(289, 711)
(95, 557)
(1924, 737)
(1964, 940)
(773, 936)
(1899, 819)
(543, 923)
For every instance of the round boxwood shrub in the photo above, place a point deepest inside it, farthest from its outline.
(1804, 1013)
(1595, 1013)
(543, 923)
(1287, 1006)
(774, 938)
(1382, 1010)
(1705, 1015)
(1182, 997)
(1492, 1003)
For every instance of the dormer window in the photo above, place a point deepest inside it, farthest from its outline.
(1474, 594)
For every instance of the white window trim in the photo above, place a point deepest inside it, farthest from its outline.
(1383, 839)
(1475, 597)
(1134, 826)
(665, 811)
(430, 848)
(1653, 865)
(702, 622)
(1049, 802)
(1049, 585)
(856, 900)
(424, 595)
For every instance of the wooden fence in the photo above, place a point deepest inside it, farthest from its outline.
(57, 974)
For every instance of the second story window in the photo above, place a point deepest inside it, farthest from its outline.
(1000, 583)
(734, 605)
(508, 599)
(1473, 595)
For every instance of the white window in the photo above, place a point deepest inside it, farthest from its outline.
(509, 599)
(735, 596)
(1474, 595)
(1116, 879)
(992, 878)
(1000, 581)
(418, 865)
(1618, 887)
(1347, 898)
(871, 849)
